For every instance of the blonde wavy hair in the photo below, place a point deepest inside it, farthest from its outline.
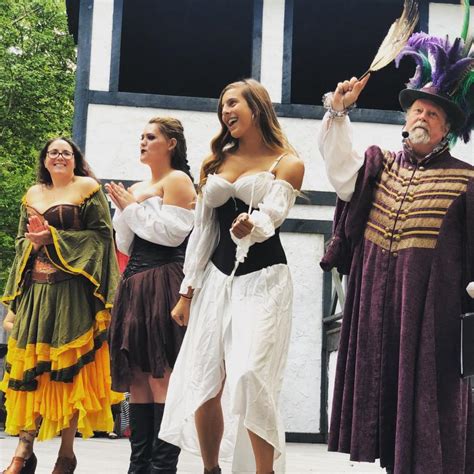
(265, 117)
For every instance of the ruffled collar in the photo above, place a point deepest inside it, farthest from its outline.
(415, 159)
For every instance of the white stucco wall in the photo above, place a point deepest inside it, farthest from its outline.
(101, 45)
(331, 375)
(300, 398)
(113, 133)
(271, 73)
(446, 19)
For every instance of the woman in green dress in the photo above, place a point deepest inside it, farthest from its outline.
(61, 286)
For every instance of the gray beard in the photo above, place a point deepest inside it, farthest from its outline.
(419, 135)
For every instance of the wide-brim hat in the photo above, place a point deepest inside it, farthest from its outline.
(456, 116)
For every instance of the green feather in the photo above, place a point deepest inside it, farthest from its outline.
(467, 88)
(427, 70)
(452, 138)
(467, 15)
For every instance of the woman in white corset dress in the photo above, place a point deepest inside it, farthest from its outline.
(237, 293)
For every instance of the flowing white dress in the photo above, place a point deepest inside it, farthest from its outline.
(239, 327)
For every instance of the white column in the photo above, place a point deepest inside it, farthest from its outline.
(101, 46)
(272, 47)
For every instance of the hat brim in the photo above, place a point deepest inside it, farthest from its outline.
(455, 115)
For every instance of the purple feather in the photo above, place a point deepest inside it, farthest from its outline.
(423, 40)
(455, 53)
(449, 78)
(441, 61)
(451, 66)
(423, 67)
(447, 67)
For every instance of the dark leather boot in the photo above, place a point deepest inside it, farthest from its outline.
(164, 456)
(141, 437)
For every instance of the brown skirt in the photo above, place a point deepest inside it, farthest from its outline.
(142, 333)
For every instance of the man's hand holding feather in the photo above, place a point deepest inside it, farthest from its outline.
(348, 92)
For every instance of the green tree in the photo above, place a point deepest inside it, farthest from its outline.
(37, 76)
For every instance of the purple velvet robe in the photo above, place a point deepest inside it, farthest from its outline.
(407, 236)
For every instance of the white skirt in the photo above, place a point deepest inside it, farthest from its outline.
(239, 329)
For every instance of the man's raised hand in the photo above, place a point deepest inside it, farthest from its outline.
(348, 92)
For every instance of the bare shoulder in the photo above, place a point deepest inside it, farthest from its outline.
(34, 192)
(291, 169)
(138, 185)
(178, 190)
(86, 184)
(178, 178)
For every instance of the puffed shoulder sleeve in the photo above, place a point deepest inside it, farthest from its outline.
(271, 213)
(123, 234)
(202, 243)
(159, 223)
(341, 160)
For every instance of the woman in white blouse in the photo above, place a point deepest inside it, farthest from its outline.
(237, 293)
(152, 222)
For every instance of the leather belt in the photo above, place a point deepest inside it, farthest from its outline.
(38, 277)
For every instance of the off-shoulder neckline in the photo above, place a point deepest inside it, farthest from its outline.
(162, 203)
(242, 177)
(275, 179)
(150, 197)
(84, 199)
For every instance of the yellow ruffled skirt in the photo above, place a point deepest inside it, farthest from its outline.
(58, 362)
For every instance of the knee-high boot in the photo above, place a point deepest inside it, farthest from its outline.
(141, 437)
(164, 456)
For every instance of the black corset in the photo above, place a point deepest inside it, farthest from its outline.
(146, 255)
(260, 255)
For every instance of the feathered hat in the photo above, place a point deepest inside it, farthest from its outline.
(444, 75)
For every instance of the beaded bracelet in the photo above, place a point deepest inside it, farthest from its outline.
(327, 104)
(186, 296)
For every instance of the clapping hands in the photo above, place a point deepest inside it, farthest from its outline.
(38, 233)
(120, 196)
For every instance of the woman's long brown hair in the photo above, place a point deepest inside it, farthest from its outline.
(265, 117)
(173, 128)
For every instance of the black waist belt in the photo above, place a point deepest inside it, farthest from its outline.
(260, 255)
(147, 255)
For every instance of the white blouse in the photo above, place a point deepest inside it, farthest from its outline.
(342, 161)
(152, 221)
(272, 198)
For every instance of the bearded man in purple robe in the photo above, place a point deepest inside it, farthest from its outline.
(404, 232)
